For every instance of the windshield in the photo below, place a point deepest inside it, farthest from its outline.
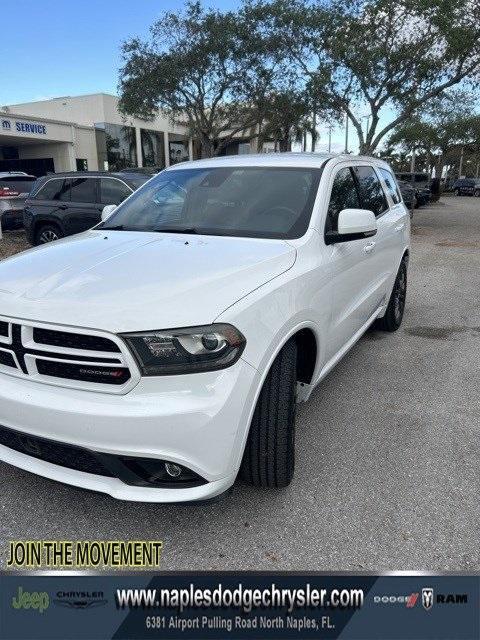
(22, 184)
(260, 202)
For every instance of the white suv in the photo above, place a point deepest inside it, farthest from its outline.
(163, 352)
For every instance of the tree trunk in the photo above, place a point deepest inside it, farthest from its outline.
(314, 130)
(207, 148)
(439, 166)
(365, 149)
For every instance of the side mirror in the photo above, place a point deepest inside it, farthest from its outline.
(353, 224)
(107, 211)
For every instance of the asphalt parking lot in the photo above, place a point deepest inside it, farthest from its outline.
(388, 449)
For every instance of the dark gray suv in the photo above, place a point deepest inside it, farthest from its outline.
(63, 204)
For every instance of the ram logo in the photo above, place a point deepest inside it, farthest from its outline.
(6, 124)
(427, 598)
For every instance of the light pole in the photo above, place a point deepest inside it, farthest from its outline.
(367, 118)
(346, 132)
(412, 161)
(460, 168)
(330, 127)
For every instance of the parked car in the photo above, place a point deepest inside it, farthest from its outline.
(465, 186)
(420, 179)
(63, 204)
(423, 196)
(160, 354)
(408, 194)
(150, 171)
(14, 189)
(476, 191)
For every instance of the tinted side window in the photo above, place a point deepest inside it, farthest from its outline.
(371, 192)
(83, 190)
(113, 191)
(391, 185)
(344, 196)
(52, 190)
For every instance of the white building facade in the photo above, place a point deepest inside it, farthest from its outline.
(79, 133)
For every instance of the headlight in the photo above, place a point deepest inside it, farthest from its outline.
(207, 348)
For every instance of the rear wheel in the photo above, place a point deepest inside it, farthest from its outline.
(457, 192)
(392, 319)
(47, 233)
(269, 458)
(476, 193)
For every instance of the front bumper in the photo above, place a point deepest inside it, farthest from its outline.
(199, 421)
(11, 215)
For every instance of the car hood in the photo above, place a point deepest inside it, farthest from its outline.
(133, 281)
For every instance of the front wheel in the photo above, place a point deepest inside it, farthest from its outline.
(393, 317)
(269, 457)
(476, 193)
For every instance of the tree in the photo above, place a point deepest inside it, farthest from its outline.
(447, 129)
(204, 67)
(289, 116)
(378, 54)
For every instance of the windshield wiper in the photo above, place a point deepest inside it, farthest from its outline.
(122, 227)
(176, 230)
(115, 227)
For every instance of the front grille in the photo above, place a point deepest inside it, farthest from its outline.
(7, 359)
(73, 340)
(81, 360)
(85, 372)
(57, 453)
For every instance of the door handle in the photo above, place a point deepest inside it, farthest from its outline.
(62, 206)
(400, 227)
(368, 248)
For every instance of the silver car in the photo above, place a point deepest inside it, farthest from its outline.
(14, 189)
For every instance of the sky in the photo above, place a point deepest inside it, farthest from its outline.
(57, 47)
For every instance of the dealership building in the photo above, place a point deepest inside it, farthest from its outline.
(79, 133)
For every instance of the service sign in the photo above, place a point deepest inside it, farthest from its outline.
(20, 126)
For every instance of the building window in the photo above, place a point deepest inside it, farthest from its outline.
(116, 146)
(178, 149)
(153, 148)
(82, 164)
(243, 148)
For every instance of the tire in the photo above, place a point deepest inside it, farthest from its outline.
(393, 317)
(269, 457)
(476, 193)
(456, 192)
(47, 233)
